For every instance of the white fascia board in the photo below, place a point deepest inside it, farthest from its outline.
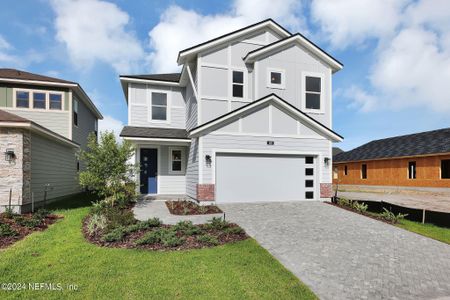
(195, 50)
(331, 135)
(252, 57)
(149, 81)
(181, 141)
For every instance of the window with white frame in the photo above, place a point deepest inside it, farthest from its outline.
(176, 161)
(238, 84)
(313, 90)
(275, 78)
(159, 106)
(39, 100)
(55, 101)
(75, 112)
(23, 99)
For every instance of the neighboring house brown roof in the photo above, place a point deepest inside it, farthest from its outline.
(9, 117)
(423, 143)
(172, 77)
(150, 132)
(23, 75)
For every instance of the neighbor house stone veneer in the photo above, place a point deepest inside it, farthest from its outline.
(205, 192)
(326, 190)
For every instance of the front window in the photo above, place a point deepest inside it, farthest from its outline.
(313, 88)
(445, 169)
(412, 170)
(159, 106)
(55, 101)
(364, 171)
(176, 160)
(238, 84)
(22, 99)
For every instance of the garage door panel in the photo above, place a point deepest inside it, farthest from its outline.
(254, 178)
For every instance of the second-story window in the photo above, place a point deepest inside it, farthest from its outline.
(39, 100)
(313, 88)
(238, 84)
(75, 112)
(159, 106)
(22, 99)
(275, 79)
(55, 101)
(96, 128)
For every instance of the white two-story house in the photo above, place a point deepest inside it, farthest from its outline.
(249, 118)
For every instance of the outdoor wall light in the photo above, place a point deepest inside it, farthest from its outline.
(10, 155)
(208, 160)
(326, 160)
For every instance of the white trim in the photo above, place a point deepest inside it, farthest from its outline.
(270, 118)
(149, 81)
(305, 74)
(302, 41)
(215, 66)
(183, 161)
(156, 139)
(244, 84)
(191, 79)
(149, 93)
(255, 78)
(70, 115)
(271, 85)
(278, 135)
(200, 160)
(330, 98)
(30, 99)
(310, 122)
(199, 87)
(212, 44)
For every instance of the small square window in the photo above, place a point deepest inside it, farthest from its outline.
(312, 101)
(275, 77)
(312, 84)
(238, 91)
(309, 195)
(39, 100)
(55, 101)
(22, 99)
(309, 171)
(238, 77)
(309, 183)
(309, 160)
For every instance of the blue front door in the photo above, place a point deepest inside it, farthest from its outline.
(149, 170)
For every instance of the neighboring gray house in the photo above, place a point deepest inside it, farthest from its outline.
(44, 121)
(249, 118)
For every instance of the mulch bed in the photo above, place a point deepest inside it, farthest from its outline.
(191, 242)
(372, 216)
(183, 208)
(23, 231)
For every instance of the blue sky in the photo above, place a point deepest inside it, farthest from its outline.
(396, 53)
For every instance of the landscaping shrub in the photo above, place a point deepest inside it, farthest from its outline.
(186, 228)
(391, 217)
(150, 238)
(359, 207)
(208, 239)
(27, 222)
(344, 202)
(96, 223)
(41, 214)
(154, 222)
(233, 230)
(9, 213)
(6, 230)
(117, 217)
(217, 223)
(165, 236)
(114, 235)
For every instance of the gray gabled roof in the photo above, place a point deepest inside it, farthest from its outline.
(336, 151)
(150, 132)
(172, 77)
(423, 143)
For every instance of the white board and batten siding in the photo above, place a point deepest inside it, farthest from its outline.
(192, 169)
(139, 106)
(55, 164)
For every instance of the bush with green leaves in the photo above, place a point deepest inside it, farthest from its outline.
(217, 223)
(117, 217)
(9, 213)
(233, 230)
(96, 223)
(169, 238)
(165, 236)
(344, 202)
(359, 207)
(27, 222)
(391, 217)
(141, 225)
(107, 171)
(41, 214)
(115, 235)
(6, 230)
(208, 239)
(186, 228)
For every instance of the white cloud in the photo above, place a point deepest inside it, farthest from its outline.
(109, 123)
(180, 28)
(94, 30)
(5, 56)
(360, 99)
(348, 22)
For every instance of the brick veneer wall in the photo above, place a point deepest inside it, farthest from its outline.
(205, 192)
(326, 190)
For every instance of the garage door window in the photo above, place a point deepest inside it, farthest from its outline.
(309, 160)
(309, 171)
(309, 195)
(309, 183)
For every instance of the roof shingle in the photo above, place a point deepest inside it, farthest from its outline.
(23, 75)
(9, 117)
(423, 143)
(172, 77)
(149, 132)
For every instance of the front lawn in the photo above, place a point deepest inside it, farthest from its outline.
(432, 231)
(61, 255)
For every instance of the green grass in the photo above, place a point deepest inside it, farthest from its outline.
(61, 255)
(432, 231)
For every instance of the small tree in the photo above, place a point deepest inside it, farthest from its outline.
(107, 171)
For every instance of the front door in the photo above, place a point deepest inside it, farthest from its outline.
(149, 170)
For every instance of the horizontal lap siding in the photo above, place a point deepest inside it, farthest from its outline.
(54, 164)
(211, 142)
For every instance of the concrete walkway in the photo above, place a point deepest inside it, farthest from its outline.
(146, 209)
(343, 255)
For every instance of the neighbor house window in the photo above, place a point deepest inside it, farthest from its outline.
(75, 112)
(445, 169)
(345, 170)
(39, 100)
(159, 106)
(96, 128)
(412, 170)
(22, 99)
(176, 160)
(238, 84)
(55, 101)
(313, 88)
(364, 171)
(275, 78)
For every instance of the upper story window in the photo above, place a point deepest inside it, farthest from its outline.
(275, 78)
(412, 170)
(238, 84)
(55, 101)
(176, 164)
(445, 169)
(312, 92)
(22, 99)
(96, 128)
(39, 100)
(159, 106)
(363, 171)
(75, 112)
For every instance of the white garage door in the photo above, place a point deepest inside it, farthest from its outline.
(255, 178)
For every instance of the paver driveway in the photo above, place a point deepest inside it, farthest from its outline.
(343, 255)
